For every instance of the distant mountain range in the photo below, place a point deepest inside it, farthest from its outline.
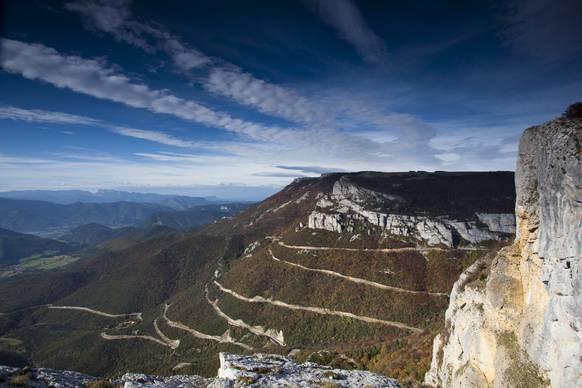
(195, 216)
(68, 197)
(46, 218)
(42, 216)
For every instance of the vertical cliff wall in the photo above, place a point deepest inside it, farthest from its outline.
(515, 320)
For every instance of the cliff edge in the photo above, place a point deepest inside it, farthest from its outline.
(515, 319)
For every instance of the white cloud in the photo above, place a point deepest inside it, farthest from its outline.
(265, 97)
(448, 157)
(311, 169)
(114, 17)
(346, 18)
(22, 172)
(95, 78)
(225, 80)
(42, 116)
(155, 136)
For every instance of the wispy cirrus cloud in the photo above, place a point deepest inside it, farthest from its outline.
(95, 78)
(43, 116)
(51, 117)
(347, 19)
(311, 169)
(275, 174)
(266, 97)
(228, 80)
(224, 79)
(546, 30)
(155, 136)
(115, 17)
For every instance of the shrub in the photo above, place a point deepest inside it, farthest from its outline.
(574, 111)
(20, 380)
(100, 384)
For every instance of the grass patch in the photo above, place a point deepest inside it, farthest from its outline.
(521, 372)
(43, 263)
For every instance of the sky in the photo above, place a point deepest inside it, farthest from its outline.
(241, 97)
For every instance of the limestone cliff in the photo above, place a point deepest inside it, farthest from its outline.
(349, 205)
(515, 320)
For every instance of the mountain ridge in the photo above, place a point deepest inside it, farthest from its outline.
(225, 273)
(69, 197)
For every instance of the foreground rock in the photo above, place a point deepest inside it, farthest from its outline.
(278, 371)
(259, 370)
(516, 319)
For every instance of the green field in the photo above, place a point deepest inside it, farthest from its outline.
(45, 263)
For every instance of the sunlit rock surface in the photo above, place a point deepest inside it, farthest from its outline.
(516, 320)
(349, 205)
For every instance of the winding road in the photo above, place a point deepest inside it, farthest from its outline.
(357, 280)
(112, 337)
(225, 338)
(316, 310)
(272, 334)
(174, 344)
(96, 312)
(403, 249)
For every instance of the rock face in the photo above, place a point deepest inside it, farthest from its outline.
(259, 370)
(516, 320)
(349, 204)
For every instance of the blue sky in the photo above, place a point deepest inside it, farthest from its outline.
(243, 97)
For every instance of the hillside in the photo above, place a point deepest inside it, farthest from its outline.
(94, 234)
(195, 216)
(15, 246)
(352, 270)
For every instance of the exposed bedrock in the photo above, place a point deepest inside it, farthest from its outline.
(349, 205)
(522, 324)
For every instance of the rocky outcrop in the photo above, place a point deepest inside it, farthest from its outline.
(349, 205)
(516, 320)
(327, 221)
(264, 370)
(259, 370)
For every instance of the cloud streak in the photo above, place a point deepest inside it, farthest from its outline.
(42, 116)
(346, 18)
(155, 136)
(114, 17)
(95, 78)
(311, 169)
(265, 97)
(546, 30)
(224, 79)
(50, 117)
